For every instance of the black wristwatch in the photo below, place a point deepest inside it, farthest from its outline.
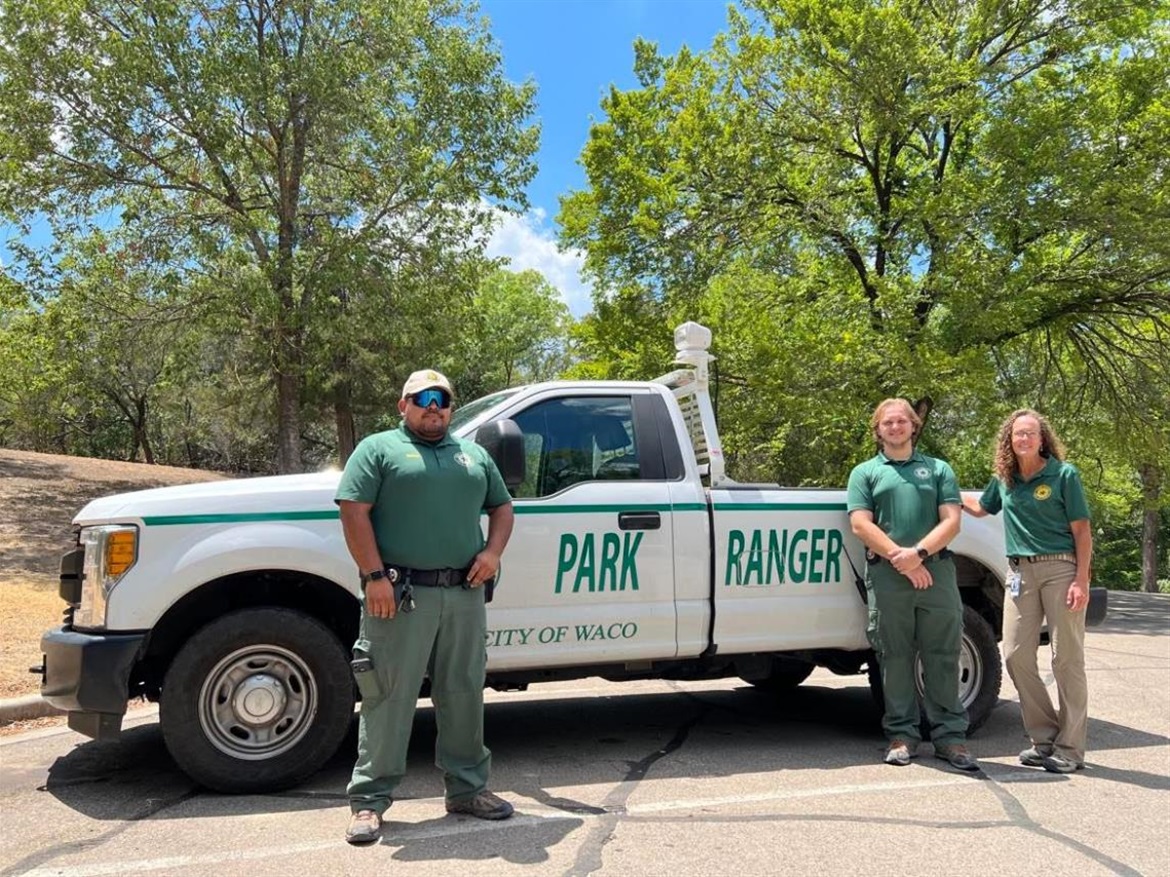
(922, 552)
(373, 576)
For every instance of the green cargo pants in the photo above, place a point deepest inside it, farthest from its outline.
(905, 623)
(444, 637)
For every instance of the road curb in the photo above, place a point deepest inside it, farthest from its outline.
(33, 706)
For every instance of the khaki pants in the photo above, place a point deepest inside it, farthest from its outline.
(1043, 595)
(443, 638)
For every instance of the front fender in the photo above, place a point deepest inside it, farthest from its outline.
(175, 560)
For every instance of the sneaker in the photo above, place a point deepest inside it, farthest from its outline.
(365, 827)
(900, 753)
(957, 757)
(1034, 756)
(485, 805)
(1057, 763)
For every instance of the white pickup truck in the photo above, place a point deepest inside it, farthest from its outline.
(235, 603)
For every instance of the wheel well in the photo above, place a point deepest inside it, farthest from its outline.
(320, 598)
(982, 591)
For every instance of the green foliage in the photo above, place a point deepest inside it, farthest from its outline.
(328, 154)
(1117, 551)
(516, 333)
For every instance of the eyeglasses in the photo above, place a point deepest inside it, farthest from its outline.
(425, 398)
(1025, 434)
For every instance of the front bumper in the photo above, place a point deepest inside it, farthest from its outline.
(88, 674)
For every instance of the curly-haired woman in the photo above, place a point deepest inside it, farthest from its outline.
(1050, 548)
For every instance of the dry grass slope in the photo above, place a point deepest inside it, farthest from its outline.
(39, 494)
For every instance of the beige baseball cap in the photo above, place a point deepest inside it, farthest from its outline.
(425, 379)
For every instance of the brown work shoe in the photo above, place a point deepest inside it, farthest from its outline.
(365, 827)
(957, 757)
(485, 805)
(900, 752)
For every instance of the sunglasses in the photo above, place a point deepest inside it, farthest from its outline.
(424, 398)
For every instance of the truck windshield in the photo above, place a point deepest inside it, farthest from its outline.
(464, 413)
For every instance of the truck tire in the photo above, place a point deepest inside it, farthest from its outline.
(784, 677)
(257, 700)
(980, 673)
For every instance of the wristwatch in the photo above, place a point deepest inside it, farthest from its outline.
(373, 576)
(922, 552)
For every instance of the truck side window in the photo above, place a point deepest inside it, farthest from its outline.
(588, 438)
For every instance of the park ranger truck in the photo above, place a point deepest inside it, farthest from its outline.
(235, 603)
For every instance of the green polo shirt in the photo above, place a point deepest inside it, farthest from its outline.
(427, 497)
(904, 495)
(1037, 511)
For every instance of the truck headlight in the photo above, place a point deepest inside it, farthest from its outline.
(110, 552)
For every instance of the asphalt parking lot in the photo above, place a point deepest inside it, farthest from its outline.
(647, 778)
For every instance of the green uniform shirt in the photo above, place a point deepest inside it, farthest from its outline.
(426, 497)
(904, 495)
(1038, 511)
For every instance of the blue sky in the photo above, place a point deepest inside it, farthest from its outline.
(575, 50)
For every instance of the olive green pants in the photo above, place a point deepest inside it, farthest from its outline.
(905, 623)
(444, 637)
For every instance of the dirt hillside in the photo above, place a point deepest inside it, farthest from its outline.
(39, 495)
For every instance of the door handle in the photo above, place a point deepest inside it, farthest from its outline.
(639, 520)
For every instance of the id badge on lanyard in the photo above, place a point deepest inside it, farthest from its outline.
(1013, 582)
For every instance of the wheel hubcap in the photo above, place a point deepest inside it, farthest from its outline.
(259, 699)
(258, 702)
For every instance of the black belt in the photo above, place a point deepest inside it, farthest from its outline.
(447, 577)
(873, 557)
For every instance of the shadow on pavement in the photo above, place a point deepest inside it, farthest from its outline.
(478, 846)
(1137, 613)
(541, 744)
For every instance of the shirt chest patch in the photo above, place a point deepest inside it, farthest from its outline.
(1042, 492)
(463, 460)
(922, 473)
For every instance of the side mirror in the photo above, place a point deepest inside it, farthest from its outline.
(504, 441)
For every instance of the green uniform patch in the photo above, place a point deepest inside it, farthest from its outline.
(1037, 511)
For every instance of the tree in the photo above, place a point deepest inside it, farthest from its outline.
(939, 175)
(128, 312)
(518, 333)
(285, 135)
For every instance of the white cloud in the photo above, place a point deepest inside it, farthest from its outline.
(527, 242)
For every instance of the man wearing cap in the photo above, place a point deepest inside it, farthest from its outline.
(411, 500)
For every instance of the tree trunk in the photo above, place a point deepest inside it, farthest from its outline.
(288, 421)
(343, 415)
(343, 392)
(1151, 477)
(289, 362)
(142, 441)
(140, 434)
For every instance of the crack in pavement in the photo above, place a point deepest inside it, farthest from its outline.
(613, 808)
(153, 808)
(1018, 816)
